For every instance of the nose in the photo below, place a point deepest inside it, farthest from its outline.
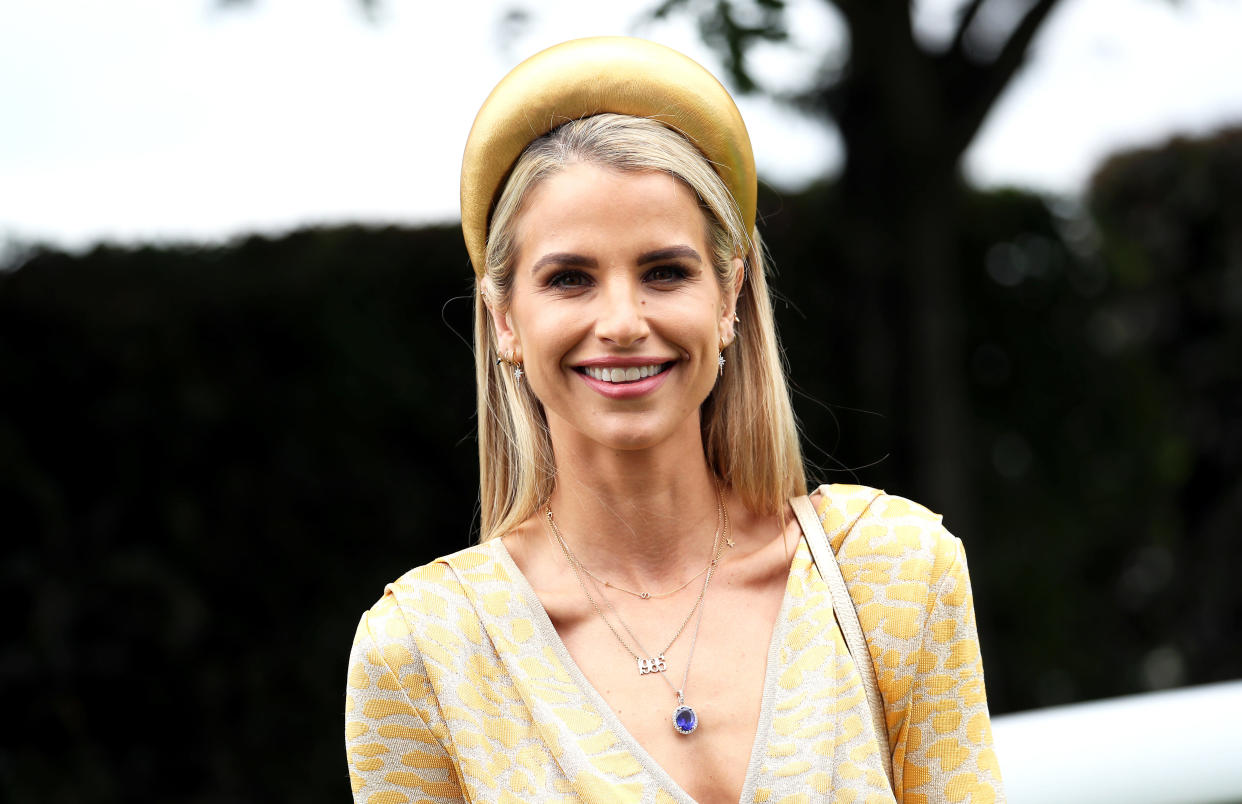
(620, 318)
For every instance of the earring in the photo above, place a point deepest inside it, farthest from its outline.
(720, 361)
(507, 357)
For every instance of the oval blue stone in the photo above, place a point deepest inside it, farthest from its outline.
(685, 720)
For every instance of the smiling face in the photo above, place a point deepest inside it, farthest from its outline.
(615, 307)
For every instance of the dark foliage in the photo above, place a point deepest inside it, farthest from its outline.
(1171, 221)
(212, 459)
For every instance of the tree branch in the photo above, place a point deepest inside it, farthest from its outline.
(968, 16)
(733, 39)
(664, 9)
(1013, 54)
(994, 76)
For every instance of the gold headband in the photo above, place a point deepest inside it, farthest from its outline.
(584, 77)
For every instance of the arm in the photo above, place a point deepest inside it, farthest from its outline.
(393, 751)
(948, 754)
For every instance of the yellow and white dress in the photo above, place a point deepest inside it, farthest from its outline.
(460, 689)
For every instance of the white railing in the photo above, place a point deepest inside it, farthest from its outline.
(1177, 747)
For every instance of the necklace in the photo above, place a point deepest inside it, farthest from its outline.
(670, 592)
(720, 515)
(650, 663)
(685, 719)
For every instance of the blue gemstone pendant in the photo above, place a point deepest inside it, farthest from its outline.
(685, 720)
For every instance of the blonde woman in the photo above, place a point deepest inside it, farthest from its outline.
(647, 615)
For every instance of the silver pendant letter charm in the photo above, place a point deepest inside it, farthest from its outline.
(654, 665)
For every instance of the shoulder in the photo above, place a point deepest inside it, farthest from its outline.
(907, 577)
(440, 571)
(437, 590)
(882, 537)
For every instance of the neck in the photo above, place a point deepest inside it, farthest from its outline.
(644, 519)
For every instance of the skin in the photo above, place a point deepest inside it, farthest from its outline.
(614, 267)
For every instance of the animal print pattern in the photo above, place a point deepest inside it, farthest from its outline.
(459, 688)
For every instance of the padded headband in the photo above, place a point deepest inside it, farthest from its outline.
(584, 77)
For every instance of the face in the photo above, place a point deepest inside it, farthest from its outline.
(615, 308)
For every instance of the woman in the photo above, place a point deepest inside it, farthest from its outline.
(642, 619)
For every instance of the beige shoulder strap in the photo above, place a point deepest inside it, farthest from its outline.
(847, 618)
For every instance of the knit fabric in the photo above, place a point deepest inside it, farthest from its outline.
(460, 689)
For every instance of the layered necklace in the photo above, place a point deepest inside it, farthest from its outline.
(685, 719)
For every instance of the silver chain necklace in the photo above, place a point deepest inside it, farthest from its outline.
(685, 719)
(644, 595)
(650, 663)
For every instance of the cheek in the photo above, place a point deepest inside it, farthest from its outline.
(544, 336)
(707, 325)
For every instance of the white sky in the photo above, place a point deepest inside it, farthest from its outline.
(175, 119)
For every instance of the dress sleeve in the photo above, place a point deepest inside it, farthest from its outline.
(948, 753)
(394, 752)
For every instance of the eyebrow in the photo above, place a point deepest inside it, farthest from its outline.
(566, 259)
(570, 260)
(671, 253)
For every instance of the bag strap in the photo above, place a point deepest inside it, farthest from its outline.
(847, 617)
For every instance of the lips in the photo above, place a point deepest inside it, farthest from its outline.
(630, 377)
(623, 374)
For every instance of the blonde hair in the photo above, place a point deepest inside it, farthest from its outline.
(749, 435)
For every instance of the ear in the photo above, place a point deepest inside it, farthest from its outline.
(507, 342)
(506, 336)
(729, 308)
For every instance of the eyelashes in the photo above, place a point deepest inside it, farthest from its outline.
(667, 273)
(575, 279)
(567, 280)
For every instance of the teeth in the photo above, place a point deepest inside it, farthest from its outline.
(623, 374)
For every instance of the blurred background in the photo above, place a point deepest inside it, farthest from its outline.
(236, 394)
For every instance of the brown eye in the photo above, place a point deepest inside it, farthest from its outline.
(568, 279)
(666, 273)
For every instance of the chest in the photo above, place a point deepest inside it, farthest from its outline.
(719, 662)
(536, 698)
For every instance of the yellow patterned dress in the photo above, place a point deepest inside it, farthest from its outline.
(460, 689)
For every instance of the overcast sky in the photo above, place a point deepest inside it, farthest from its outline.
(176, 119)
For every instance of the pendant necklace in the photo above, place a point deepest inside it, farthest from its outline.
(685, 719)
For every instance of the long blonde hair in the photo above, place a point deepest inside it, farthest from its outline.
(749, 434)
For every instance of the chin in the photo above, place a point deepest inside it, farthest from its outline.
(628, 439)
(623, 433)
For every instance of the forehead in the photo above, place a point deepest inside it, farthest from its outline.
(589, 206)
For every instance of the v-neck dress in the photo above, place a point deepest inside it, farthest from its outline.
(459, 687)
